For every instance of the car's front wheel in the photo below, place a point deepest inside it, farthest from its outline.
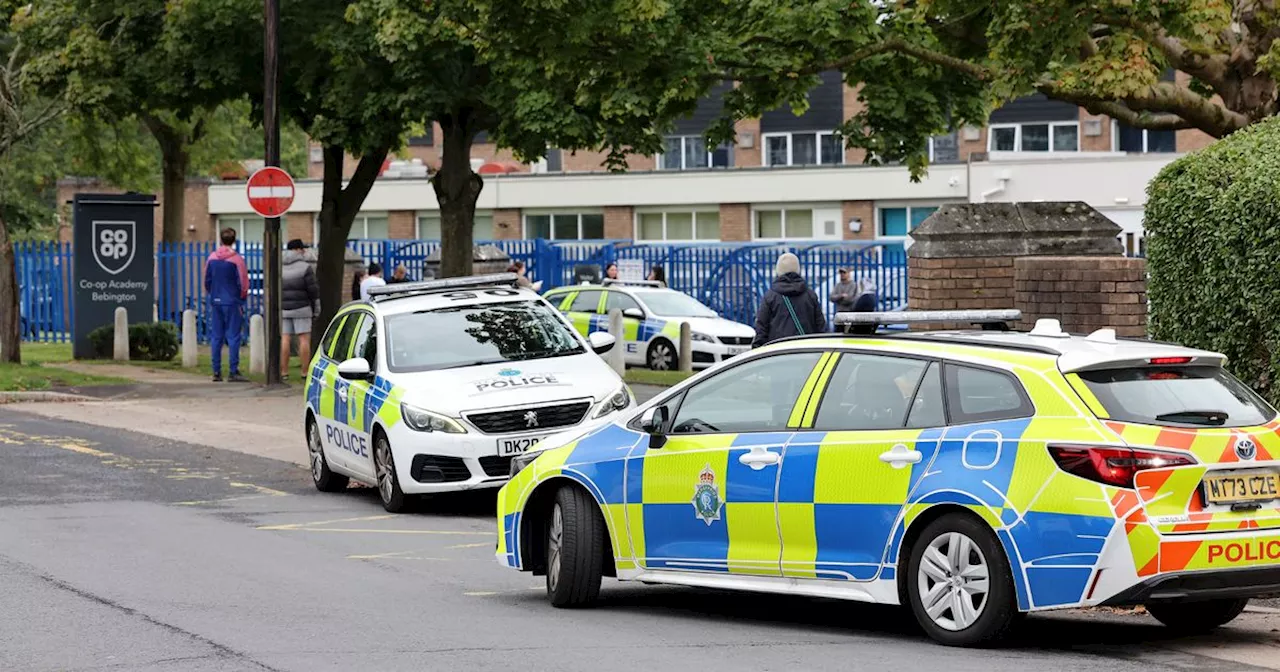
(661, 356)
(575, 549)
(384, 468)
(1196, 617)
(959, 583)
(321, 475)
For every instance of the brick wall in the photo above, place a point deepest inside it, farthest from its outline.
(619, 222)
(506, 225)
(1084, 293)
(748, 157)
(852, 106)
(968, 147)
(864, 210)
(735, 221)
(1095, 143)
(401, 224)
(587, 160)
(300, 225)
(964, 283)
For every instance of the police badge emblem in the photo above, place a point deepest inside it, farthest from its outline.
(706, 498)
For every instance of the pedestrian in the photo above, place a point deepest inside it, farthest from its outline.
(658, 274)
(611, 271)
(372, 279)
(226, 283)
(518, 268)
(789, 308)
(356, 279)
(299, 303)
(855, 297)
(401, 274)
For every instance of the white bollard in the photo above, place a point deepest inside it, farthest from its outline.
(257, 346)
(686, 347)
(190, 343)
(120, 346)
(617, 355)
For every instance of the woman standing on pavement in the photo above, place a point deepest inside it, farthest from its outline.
(789, 308)
(299, 303)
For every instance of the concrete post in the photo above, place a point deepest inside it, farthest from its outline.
(190, 345)
(686, 347)
(257, 345)
(120, 345)
(617, 356)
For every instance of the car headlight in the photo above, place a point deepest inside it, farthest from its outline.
(703, 337)
(426, 421)
(617, 401)
(521, 461)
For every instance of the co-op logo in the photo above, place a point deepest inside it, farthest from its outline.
(114, 245)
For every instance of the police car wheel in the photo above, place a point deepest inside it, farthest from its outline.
(384, 468)
(575, 549)
(1196, 617)
(661, 356)
(959, 583)
(321, 475)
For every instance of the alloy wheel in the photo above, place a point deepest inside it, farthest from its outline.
(385, 470)
(953, 581)
(317, 451)
(554, 534)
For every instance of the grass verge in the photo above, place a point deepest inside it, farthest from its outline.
(42, 353)
(32, 375)
(648, 377)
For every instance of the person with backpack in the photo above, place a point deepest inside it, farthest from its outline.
(789, 308)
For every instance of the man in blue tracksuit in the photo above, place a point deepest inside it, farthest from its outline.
(226, 283)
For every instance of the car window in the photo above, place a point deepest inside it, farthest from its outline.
(556, 298)
(335, 327)
(342, 344)
(489, 333)
(620, 301)
(983, 395)
(586, 302)
(928, 409)
(1177, 396)
(869, 392)
(752, 397)
(670, 303)
(366, 342)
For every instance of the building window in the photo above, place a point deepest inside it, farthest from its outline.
(803, 149)
(784, 223)
(1140, 140)
(364, 227)
(898, 222)
(429, 226)
(678, 225)
(565, 226)
(1044, 137)
(689, 152)
(944, 149)
(249, 229)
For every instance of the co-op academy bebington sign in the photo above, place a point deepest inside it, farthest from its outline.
(115, 260)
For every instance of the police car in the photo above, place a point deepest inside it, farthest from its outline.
(433, 386)
(651, 317)
(971, 476)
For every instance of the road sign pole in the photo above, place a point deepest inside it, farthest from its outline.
(271, 237)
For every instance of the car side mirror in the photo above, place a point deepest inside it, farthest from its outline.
(601, 341)
(654, 423)
(356, 368)
(634, 313)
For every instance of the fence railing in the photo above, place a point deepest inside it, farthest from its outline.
(45, 286)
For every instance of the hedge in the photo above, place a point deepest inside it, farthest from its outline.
(149, 342)
(1213, 253)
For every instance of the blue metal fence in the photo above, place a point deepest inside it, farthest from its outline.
(44, 290)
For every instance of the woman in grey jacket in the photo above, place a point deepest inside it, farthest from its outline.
(299, 303)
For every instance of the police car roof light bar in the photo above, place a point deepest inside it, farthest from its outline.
(634, 283)
(427, 286)
(918, 316)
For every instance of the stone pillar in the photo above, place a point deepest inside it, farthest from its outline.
(1083, 293)
(965, 257)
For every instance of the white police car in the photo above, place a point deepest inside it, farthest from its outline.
(433, 386)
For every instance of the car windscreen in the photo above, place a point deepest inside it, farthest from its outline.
(674, 304)
(474, 335)
(1186, 396)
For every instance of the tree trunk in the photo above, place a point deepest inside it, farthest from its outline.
(175, 158)
(457, 188)
(10, 314)
(338, 209)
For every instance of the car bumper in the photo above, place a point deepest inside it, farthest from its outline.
(709, 354)
(1201, 585)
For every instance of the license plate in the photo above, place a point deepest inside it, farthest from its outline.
(1246, 486)
(737, 350)
(517, 446)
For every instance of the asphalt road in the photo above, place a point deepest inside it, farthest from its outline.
(120, 551)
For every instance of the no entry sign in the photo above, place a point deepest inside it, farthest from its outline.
(270, 191)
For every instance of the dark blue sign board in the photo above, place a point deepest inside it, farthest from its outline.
(115, 261)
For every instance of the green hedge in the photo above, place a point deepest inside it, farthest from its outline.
(1213, 253)
(149, 342)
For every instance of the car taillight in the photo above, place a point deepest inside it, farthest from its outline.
(1113, 466)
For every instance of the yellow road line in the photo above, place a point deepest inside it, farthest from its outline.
(294, 526)
(483, 544)
(259, 489)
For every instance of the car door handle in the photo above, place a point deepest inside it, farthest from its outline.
(759, 458)
(900, 456)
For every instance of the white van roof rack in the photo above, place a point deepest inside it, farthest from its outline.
(404, 289)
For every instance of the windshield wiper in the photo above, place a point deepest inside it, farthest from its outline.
(1214, 418)
(543, 354)
(478, 362)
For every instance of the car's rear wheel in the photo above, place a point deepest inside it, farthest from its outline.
(661, 355)
(384, 468)
(575, 549)
(321, 475)
(1196, 617)
(959, 583)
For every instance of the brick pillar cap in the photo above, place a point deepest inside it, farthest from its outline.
(1054, 229)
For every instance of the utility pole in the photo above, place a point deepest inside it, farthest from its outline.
(271, 237)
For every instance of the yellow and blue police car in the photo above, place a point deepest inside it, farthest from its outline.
(970, 475)
(433, 386)
(651, 317)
